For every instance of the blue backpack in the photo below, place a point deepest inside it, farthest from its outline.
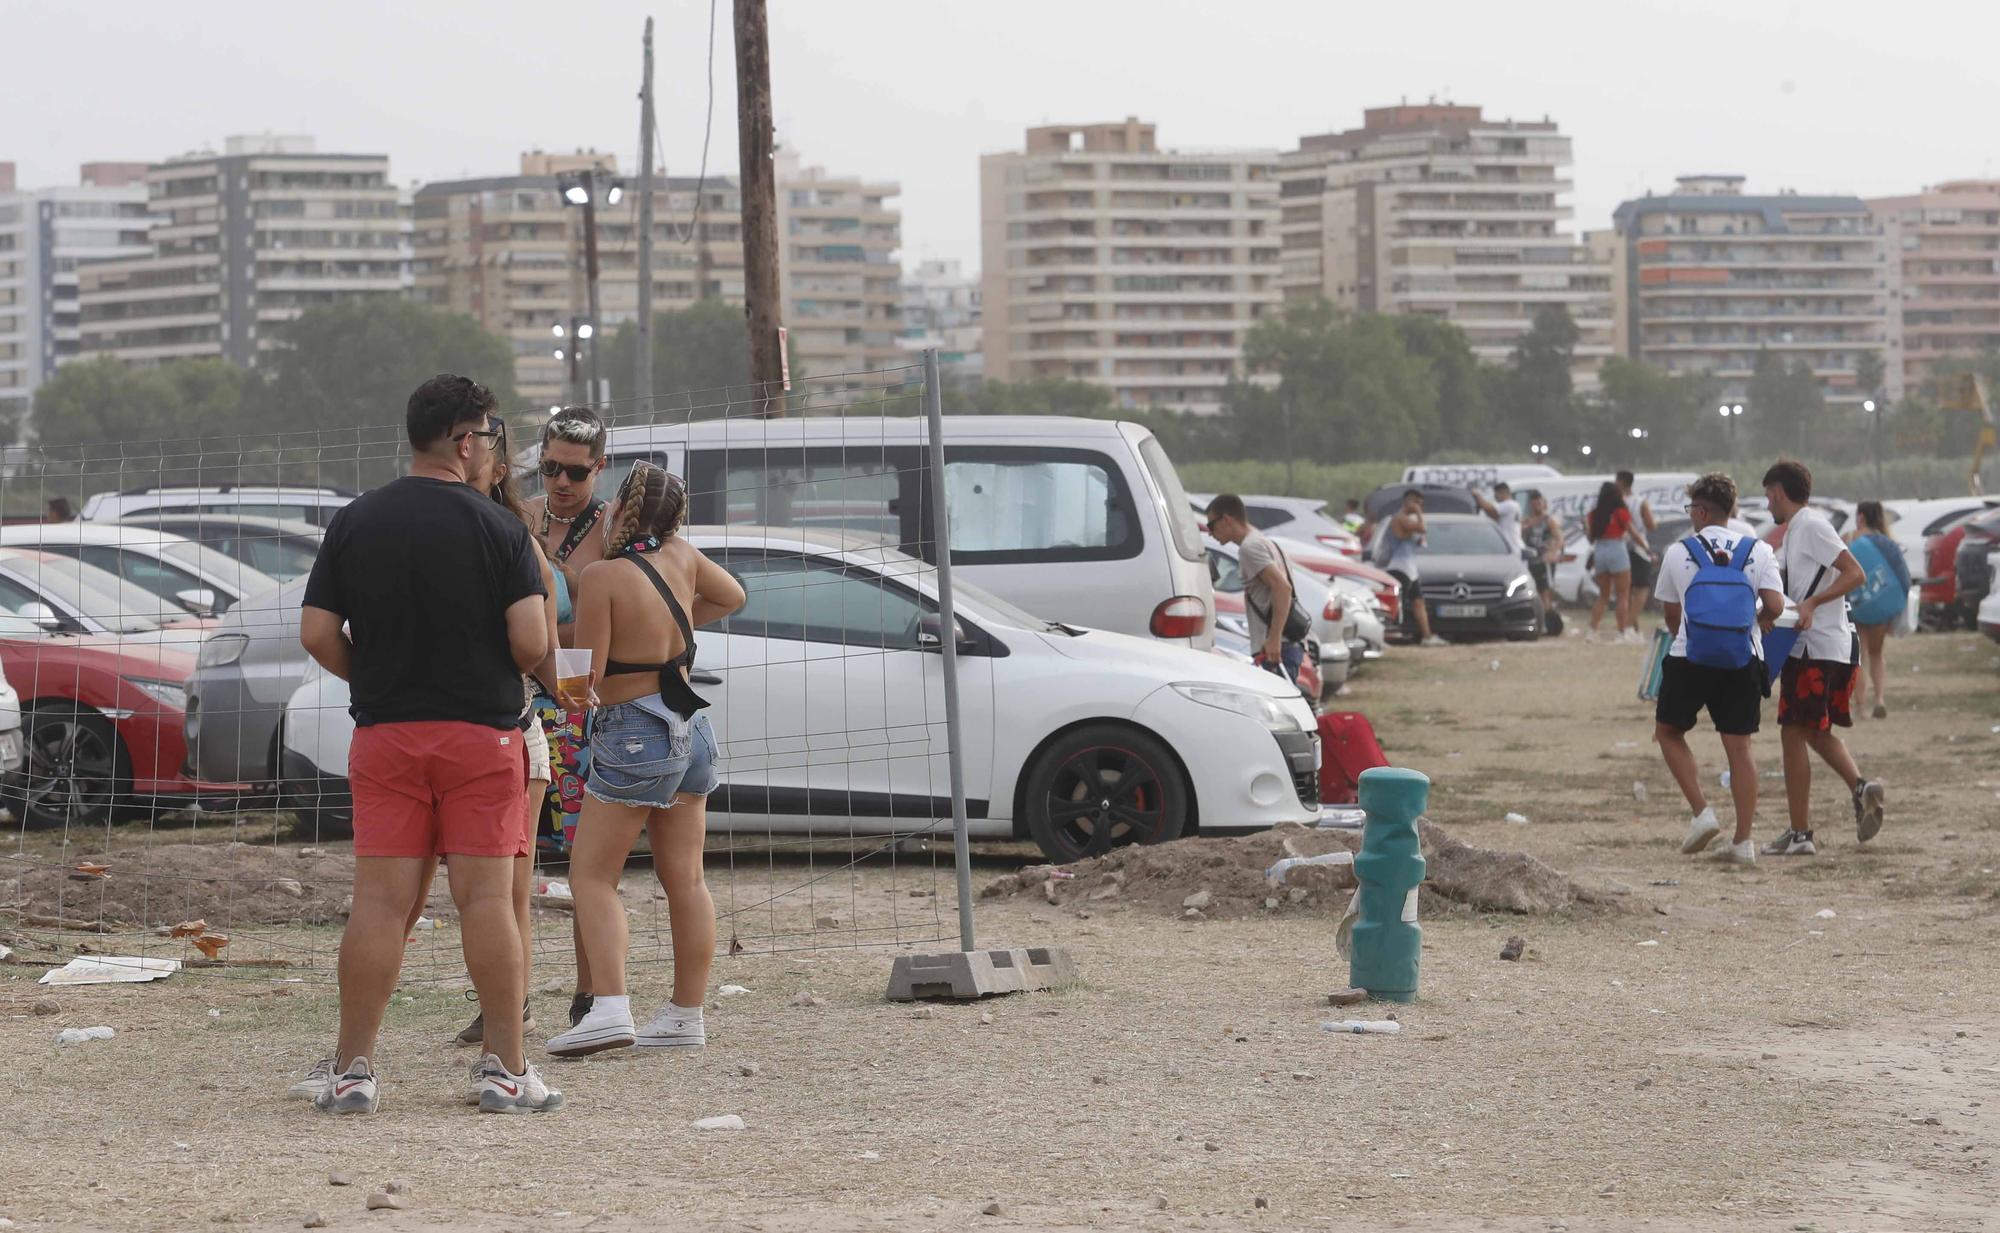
(1880, 596)
(1719, 608)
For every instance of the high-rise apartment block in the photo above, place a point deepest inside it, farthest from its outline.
(45, 236)
(1942, 253)
(507, 251)
(1715, 276)
(242, 242)
(1111, 261)
(840, 274)
(941, 309)
(1435, 209)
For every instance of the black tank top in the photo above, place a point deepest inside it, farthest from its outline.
(674, 688)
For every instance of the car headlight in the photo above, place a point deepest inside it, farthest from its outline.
(1263, 708)
(166, 693)
(1520, 586)
(221, 649)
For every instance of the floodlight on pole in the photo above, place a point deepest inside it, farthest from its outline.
(559, 353)
(555, 409)
(584, 331)
(614, 194)
(1586, 451)
(1868, 405)
(557, 330)
(577, 194)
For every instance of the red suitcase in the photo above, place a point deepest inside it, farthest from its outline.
(1347, 748)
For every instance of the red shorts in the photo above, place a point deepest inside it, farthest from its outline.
(438, 789)
(1816, 694)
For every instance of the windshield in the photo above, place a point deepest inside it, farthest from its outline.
(1464, 539)
(996, 611)
(101, 597)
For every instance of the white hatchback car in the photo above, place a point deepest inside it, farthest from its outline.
(826, 693)
(188, 576)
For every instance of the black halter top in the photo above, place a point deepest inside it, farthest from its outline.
(674, 688)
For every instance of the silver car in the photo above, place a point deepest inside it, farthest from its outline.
(248, 668)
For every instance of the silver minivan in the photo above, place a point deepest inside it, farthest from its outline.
(1076, 520)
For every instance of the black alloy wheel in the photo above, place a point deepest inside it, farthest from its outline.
(1102, 786)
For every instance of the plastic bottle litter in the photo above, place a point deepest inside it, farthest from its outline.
(558, 890)
(76, 1036)
(728, 1121)
(730, 991)
(1361, 1027)
(1639, 791)
(1516, 818)
(1276, 873)
(1825, 914)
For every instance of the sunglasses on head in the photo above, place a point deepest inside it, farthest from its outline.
(577, 473)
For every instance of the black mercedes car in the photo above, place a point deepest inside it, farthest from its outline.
(1474, 585)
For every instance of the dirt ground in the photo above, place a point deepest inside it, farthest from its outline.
(1713, 1055)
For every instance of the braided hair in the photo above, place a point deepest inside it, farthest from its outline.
(652, 504)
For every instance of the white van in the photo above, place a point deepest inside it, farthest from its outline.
(1571, 497)
(1080, 521)
(1484, 474)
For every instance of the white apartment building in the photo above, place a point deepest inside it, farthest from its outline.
(841, 275)
(241, 243)
(1108, 260)
(941, 309)
(1435, 209)
(45, 236)
(1716, 277)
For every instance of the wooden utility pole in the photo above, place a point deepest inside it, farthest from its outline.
(642, 363)
(761, 308)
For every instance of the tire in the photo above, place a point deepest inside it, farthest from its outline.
(76, 772)
(1141, 793)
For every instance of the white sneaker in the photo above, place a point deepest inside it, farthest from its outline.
(317, 1080)
(1701, 832)
(502, 1091)
(1631, 638)
(478, 1083)
(1590, 636)
(1434, 640)
(1744, 853)
(351, 1091)
(674, 1027)
(599, 1030)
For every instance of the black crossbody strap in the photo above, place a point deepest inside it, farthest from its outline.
(578, 529)
(686, 657)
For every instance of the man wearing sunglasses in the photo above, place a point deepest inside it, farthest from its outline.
(566, 515)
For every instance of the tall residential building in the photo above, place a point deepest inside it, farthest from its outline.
(1435, 209)
(1942, 250)
(1108, 260)
(242, 242)
(45, 236)
(941, 309)
(1716, 276)
(507, 251)
(841, 275)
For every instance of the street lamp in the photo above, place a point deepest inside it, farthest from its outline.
(1539, 450)
(1586, 451)
(581, 189)
(1875, 411)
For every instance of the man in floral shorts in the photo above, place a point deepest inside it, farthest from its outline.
(1817, 685)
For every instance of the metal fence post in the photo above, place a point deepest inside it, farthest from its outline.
(961, 847)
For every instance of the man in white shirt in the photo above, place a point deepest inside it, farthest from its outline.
(1733, 697)
(1643, 565)
(1504, 510)
(1816, 689)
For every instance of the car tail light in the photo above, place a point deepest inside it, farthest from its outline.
(1333, 610)
(1183, 616)
(1392, 602)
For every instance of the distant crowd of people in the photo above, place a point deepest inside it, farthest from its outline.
(445, 600)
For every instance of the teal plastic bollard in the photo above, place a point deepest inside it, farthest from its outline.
(1387, 941)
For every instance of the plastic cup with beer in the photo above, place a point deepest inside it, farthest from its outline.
(572, 676)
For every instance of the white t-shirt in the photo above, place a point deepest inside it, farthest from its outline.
(1507, 516)
(1677, 570)
(1810, 543)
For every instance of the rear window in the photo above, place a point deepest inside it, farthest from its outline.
(1462, 539)
(1264, 517)
(1014, 505)
(1180, 513)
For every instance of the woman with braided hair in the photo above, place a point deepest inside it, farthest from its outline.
(652, 758)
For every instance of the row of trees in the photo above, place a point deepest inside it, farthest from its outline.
(1328, 386)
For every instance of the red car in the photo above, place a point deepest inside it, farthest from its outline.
(1937, 598)
(102, 716)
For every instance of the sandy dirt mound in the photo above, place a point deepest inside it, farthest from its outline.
(231, 886)
(1225, 877)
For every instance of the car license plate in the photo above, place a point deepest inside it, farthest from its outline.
(1459, 611)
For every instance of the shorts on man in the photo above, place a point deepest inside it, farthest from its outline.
(1817, 694)
(1733, 697)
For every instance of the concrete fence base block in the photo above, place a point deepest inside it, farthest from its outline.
(967, 975)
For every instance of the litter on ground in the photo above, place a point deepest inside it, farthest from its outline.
(110, 970)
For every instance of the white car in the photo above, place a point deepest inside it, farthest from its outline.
(187, 576)
(13, 749)
(826, 694)
(305, 503)
(1305, 519)
(1989, 608)
(59, 594)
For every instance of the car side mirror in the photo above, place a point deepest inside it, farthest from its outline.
(201, 601)
(930, 632)
(42, 615)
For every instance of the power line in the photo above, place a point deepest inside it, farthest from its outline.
(708, 132)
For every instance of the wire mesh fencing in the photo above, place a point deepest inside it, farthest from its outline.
(181, 790)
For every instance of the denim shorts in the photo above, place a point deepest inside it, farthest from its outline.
(639, 758)
(1611, 556)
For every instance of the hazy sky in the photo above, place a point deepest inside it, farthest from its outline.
(1827, 96)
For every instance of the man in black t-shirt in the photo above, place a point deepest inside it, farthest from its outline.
(427, 598)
